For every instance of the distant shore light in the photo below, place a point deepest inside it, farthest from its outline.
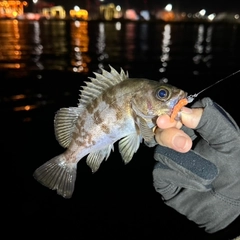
(202, 12)
(76, 8)
(118, 8)
(168, 7)
(211, 16)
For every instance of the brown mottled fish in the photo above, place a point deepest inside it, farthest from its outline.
(112, 107)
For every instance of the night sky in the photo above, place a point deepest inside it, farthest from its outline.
(182, 5)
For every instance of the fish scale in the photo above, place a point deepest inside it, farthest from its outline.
(112, 108)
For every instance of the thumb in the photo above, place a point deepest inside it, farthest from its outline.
(173, 138)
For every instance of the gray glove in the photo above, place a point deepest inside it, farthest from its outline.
(203, 184)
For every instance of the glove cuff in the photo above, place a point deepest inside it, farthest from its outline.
(188, 170)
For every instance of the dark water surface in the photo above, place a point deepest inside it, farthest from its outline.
(42, 66)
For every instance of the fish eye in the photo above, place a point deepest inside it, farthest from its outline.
(162, 94)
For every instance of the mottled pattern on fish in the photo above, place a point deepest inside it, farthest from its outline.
(112, 107)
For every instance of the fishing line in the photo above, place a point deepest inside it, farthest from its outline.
(190, 98)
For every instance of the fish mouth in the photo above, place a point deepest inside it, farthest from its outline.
(175, 101)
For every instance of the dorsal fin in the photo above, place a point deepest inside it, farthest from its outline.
(100, 83)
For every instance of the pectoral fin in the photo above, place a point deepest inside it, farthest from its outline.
(129, 145)
(146, 132)
(94, 159)
(64, 123)
(145, 124)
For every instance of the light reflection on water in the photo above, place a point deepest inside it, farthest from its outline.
(166, 42)
(203, 46)
(158, 49)
(73, 45)
(79, 43)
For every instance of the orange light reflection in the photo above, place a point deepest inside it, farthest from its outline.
(12, 65)
(11, 44)
(25, 108)
(18, 97)
(80, 45)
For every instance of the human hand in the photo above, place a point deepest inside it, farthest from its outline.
(200, 182)
(169, 134)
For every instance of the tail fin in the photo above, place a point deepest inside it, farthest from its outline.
(58, 174)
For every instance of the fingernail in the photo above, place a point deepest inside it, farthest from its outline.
(179, 142)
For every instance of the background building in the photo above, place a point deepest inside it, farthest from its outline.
(12, 9)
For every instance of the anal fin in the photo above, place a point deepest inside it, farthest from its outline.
(94, 159)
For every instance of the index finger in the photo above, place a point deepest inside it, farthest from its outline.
(164, 122)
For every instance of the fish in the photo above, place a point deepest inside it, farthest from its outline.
(112, 108)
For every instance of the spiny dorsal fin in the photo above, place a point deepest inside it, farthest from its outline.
(100, 83)
(64, 123)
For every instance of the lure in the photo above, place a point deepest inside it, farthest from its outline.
(183, 102)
